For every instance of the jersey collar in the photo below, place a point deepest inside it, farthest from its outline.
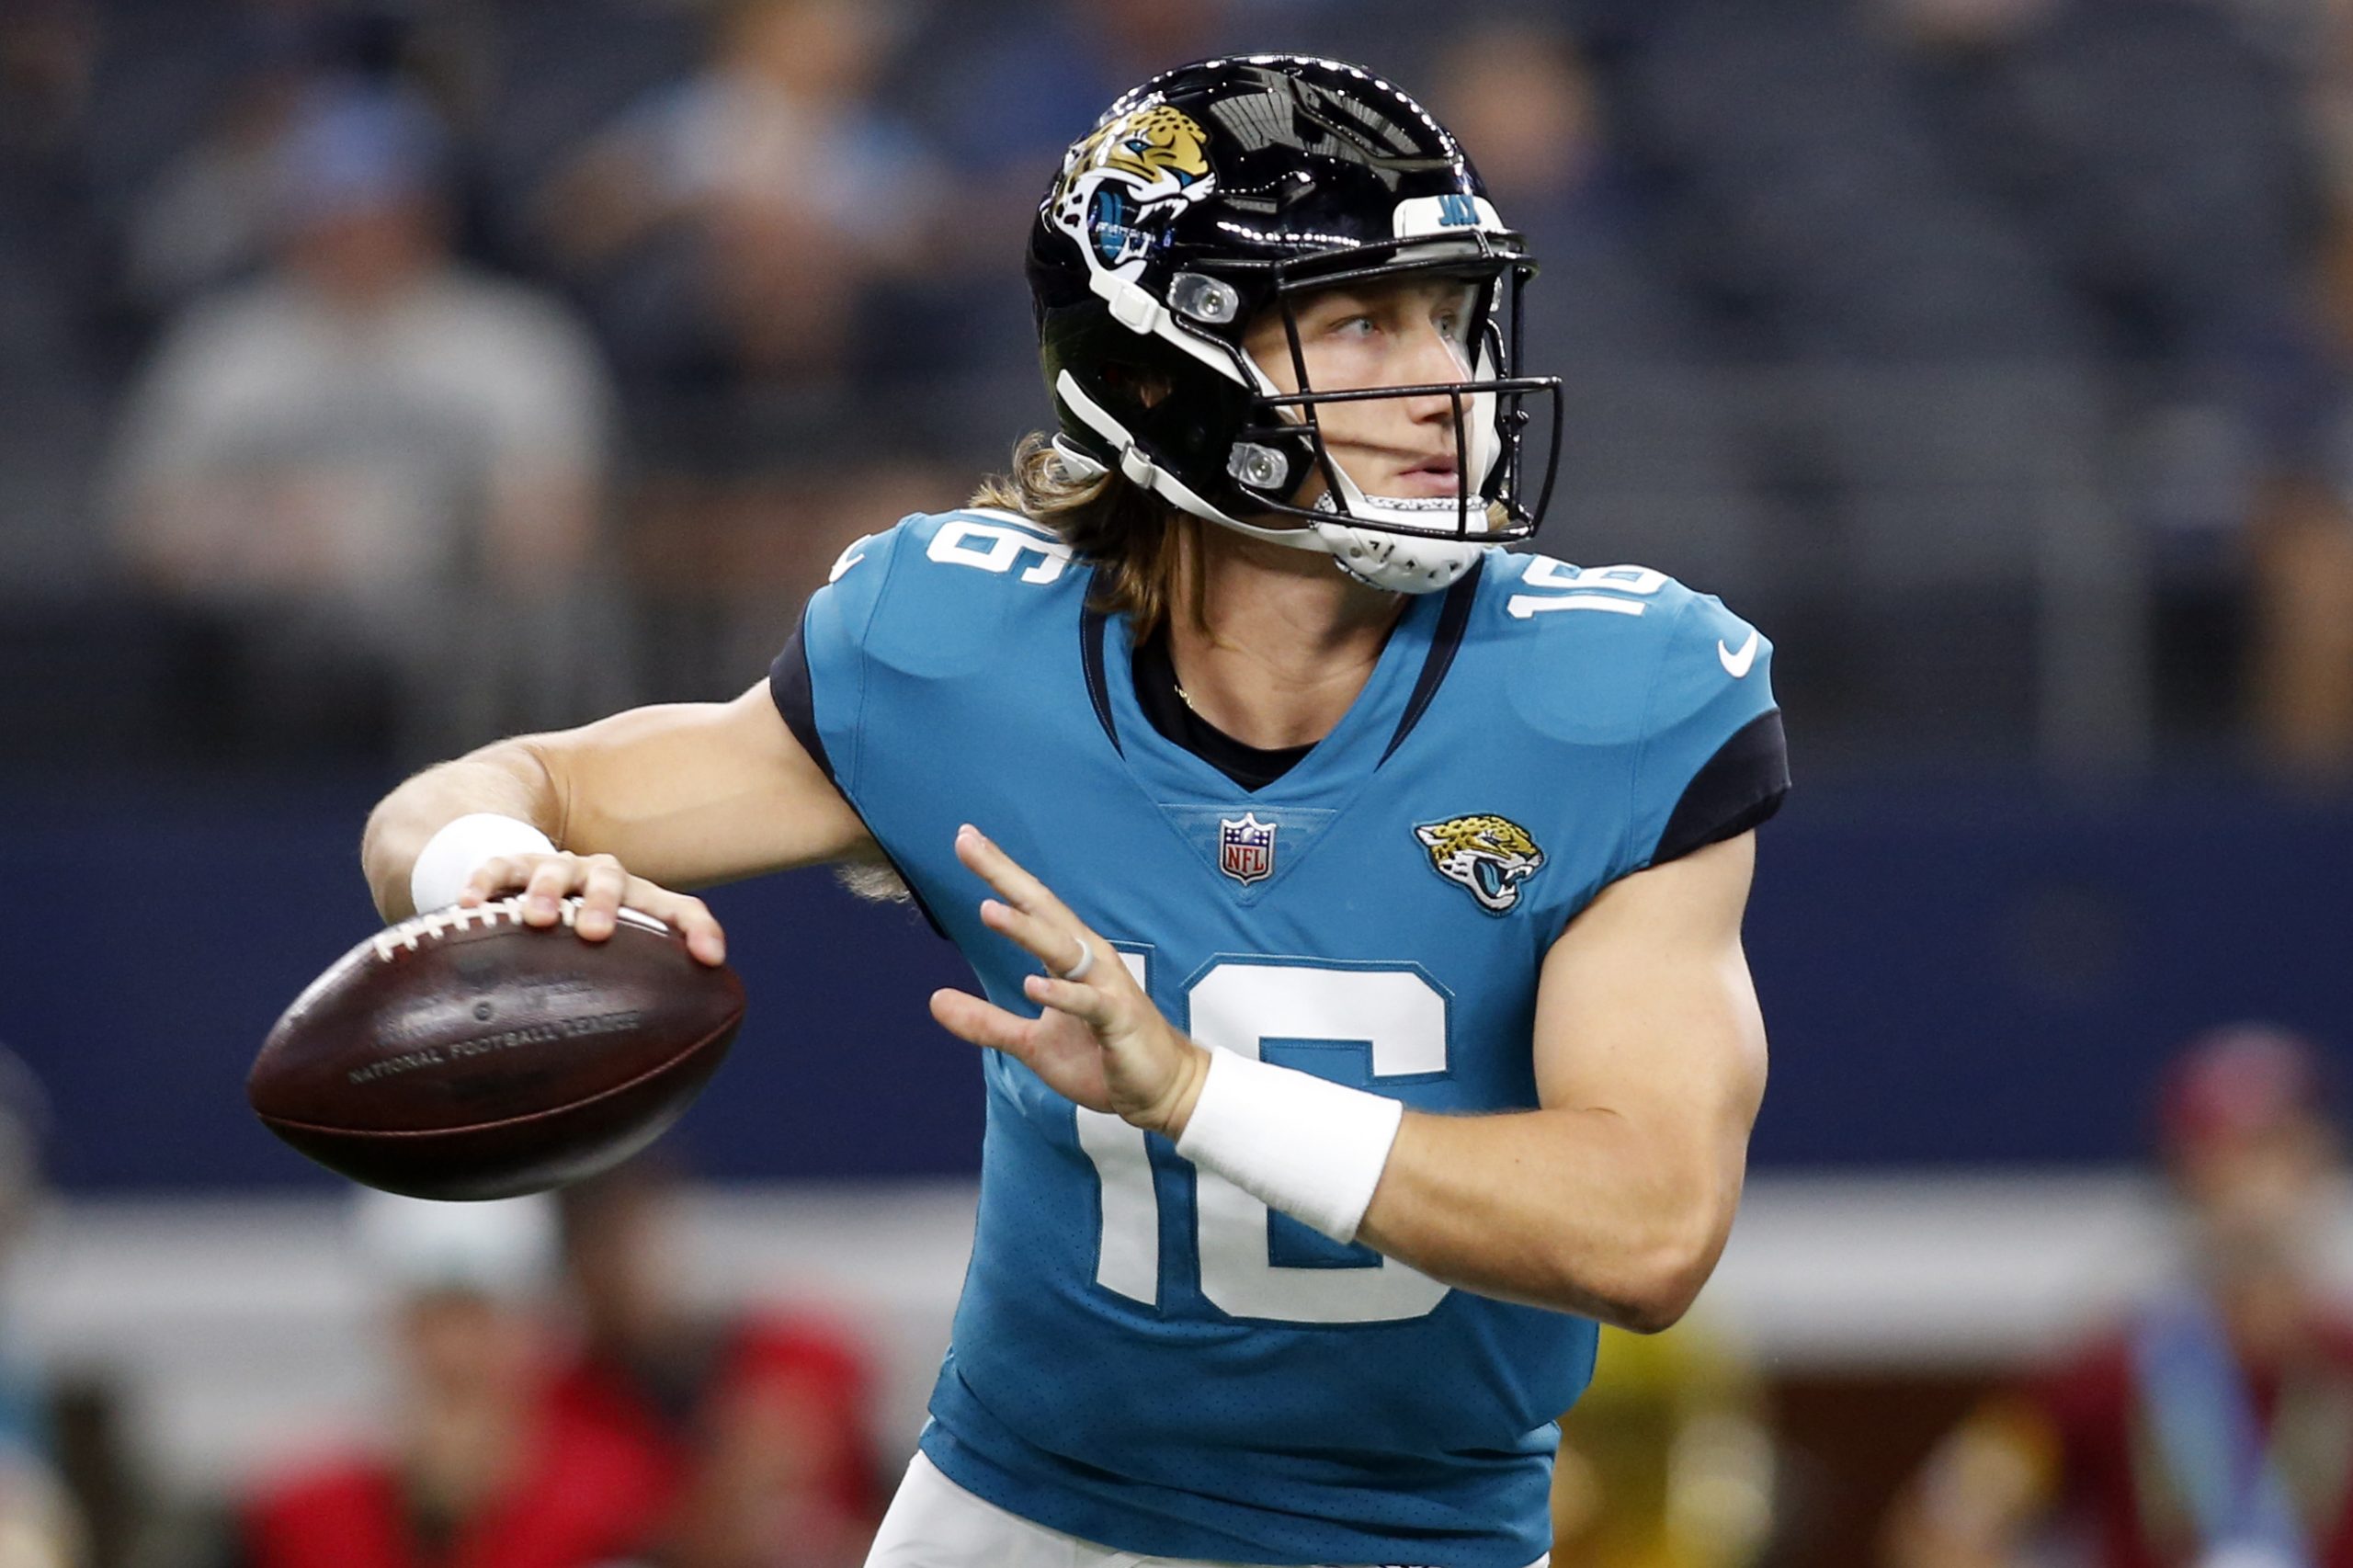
(1404, 680)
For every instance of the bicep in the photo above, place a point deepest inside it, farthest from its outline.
(1645, 1007)
(688, 794)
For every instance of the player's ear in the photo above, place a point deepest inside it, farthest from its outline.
(1146, 387)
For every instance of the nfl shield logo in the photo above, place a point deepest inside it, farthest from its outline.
(1245, 848)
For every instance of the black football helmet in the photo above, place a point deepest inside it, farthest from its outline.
(1219, 191)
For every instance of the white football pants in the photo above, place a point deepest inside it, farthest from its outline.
(934, 1523)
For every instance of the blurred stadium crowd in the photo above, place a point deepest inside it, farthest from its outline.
(378, 376)
(1992, 352)
(549, 1398)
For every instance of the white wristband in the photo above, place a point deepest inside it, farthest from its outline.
(1312, 1149)
(451, 857)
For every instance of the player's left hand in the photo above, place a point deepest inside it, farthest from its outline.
(1099, 1042)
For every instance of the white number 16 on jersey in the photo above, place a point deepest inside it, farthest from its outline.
(1238, 1005)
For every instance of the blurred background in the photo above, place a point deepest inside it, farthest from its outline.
(378, 377)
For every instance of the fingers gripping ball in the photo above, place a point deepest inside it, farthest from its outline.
(464, 1054)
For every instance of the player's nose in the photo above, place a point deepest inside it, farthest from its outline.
(1433, 359)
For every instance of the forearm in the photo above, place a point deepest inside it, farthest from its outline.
(1615, 1217)
(508, 777)
(1615, 1199)
(683, 795)
(1576, 1210)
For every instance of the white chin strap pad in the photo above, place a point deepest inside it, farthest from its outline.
(1402, 563)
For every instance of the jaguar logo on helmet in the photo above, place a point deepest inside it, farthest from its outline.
(1151, 144)
(1490, 856)
(1121, 184)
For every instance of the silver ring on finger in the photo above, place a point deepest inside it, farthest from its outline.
(1086, 963)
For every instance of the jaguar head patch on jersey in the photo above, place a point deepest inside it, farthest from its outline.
(1489, 855)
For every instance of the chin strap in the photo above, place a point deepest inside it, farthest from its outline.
(1402, 563)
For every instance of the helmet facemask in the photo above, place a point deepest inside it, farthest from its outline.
(1285, 443)
(1408, 543)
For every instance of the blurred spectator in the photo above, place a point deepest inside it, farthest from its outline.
(2302, 672)
(340, 449)
(52, 398)
(1517, 91)
(1006, 90)
(740, 236)
(204, 173)
(39, 1525)
(2215, 1429)
(208, 217)
(759, 1417)
(477, 1471)
(732, 226)
(1666, 1463)
(1002, 91)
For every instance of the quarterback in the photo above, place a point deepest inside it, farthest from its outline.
(1355, 906)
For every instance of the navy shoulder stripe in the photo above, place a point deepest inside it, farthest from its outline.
(1737, 788)
(789, 688)
(795, 699)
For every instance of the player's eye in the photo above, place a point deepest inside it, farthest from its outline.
(1452, 315)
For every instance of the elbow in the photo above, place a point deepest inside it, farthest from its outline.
(1656, 1287)
(1650, 1301)
(1658, 1307)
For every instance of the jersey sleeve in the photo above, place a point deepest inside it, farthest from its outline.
(1712, 762)
(822, 679)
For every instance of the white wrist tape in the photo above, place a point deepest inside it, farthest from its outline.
(1312, 1149)
(451, 857)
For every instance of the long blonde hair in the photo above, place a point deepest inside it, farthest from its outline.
(1133, 538)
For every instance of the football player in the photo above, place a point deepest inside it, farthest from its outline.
(1356, 906)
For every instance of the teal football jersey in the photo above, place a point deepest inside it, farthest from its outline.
(1145, 1355)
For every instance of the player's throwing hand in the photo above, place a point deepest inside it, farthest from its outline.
(1100, 1041)
(603, 886)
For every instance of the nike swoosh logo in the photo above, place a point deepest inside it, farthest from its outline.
(1737, 665)
(844, 565)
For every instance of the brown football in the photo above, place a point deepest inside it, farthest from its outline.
(463, 1054)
